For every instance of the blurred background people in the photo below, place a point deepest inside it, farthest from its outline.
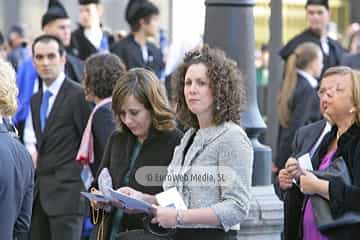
(19, 50)
(318, 17)
(89, 37)
(135, 49)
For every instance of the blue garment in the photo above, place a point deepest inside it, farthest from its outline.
(44, 108)
(104, 44)
(25, 80)
(16, 186)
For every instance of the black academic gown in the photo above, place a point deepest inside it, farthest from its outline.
(335, 49)
(81, 46)
(74, 68)
(130, 52)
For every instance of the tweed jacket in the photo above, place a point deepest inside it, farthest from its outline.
(227, 149)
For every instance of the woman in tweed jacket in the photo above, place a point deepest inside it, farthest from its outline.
(214, 158)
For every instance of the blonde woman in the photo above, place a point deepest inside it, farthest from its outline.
(298, 103)
(16, 167)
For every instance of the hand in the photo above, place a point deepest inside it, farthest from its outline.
(165, 217)
(293, 168)
(120, 205)
(130, 192)
(308, 183)
(285, 181)
(274, 168)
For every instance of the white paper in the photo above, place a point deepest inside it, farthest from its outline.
(171, 198)
(305, 162)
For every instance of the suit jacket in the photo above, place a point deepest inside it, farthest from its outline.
(103, 125)
(157, 150)
(130, 52)
(351, 60)
(212, 149)
(58, 183)
(304, 109)
(82, 47)
(16, 186)
(331, 60)
(304, 140)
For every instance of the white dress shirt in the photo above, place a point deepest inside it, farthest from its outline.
(325, 45)
(311, 80)
(94, 35)
(29, 133)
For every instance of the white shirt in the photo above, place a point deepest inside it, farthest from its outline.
(325, 45)
(326, 129)
(312, 81)
(29, 133)
(94, 35)
(145, 53)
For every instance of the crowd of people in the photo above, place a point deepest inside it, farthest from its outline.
(74, 105)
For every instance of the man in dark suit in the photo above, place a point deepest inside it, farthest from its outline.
(318, 16)
(55, 22)
(60, 113)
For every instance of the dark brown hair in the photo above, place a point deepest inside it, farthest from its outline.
(226, 83)
(147, 89)
(102, 71)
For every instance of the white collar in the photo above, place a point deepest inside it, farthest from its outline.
(56, 85)
(312, 81)
(1, 119)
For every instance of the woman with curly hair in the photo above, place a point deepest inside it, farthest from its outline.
(210, 95)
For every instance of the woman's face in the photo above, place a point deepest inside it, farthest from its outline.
(338, 101)
(198, 94)
(135, 117)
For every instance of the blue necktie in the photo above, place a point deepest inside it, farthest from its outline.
(44, 108)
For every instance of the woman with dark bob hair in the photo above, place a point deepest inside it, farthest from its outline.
(210, 95)
(101, 72)
(147, 137)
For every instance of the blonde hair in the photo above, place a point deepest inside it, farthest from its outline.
(355, 79)
(8, 90)
(147, 89)
(303, 55)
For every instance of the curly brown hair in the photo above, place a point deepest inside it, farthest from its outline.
(102, 71)
(226, 83)
(147, 89)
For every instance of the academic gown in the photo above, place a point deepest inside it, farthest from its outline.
(130, 52)
(83, 48)
(335, 49)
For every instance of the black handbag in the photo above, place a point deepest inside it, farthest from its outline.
(323, 217)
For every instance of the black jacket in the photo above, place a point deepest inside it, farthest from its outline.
(81, 47)
(304, 140)
(130, 52)
(304, 109)
(335, 49)
(58, 183)
(157, 150)
(103, 125)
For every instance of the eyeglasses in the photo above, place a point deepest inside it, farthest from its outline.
(329, 92)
